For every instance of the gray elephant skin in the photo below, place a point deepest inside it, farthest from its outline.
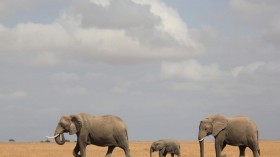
(166, 146)
(107, 130)
(236, 131)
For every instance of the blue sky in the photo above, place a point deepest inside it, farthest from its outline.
(160, 65)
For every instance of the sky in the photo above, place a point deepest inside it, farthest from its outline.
(160, 65)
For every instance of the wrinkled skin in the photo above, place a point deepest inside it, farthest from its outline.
(106, 130)
(236, 131)
(164, 147)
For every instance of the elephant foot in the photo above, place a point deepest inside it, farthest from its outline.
(76, 154)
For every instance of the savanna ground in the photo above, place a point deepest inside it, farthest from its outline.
(138, 149)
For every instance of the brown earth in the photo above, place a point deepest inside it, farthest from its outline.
(138, 149)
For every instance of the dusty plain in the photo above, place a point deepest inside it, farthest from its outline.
(138, 149)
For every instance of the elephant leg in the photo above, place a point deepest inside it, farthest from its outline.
(125, 148)
(82, 149)
(76, 150)
(224, 145)
(109, 151)
(242, 151)
(218, 148)
(255, 150)
(161, 153)
(164, 154)
(126, 151)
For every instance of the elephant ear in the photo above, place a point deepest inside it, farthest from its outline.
(160, 147)
(219, 123)
(76, 124)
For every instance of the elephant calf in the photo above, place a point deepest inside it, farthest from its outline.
(166, 146)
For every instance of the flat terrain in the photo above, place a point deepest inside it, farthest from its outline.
(138, 149)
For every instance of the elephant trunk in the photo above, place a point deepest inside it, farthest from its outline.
(201, 144)
(59, 139)
(151, 152)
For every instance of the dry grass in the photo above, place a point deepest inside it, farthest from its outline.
(138, 149)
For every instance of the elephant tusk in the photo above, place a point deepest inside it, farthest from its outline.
(201, 139)
(52, 136)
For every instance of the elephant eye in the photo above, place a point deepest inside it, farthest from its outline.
(63, 125)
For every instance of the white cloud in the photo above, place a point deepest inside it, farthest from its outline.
(191, 70)
(252, 79)
(186, 86)
(103, 3)
(71, 90)
(151, 34)
(261, 16)
(11, 7)
(171, 22)
(34, 39)
(64, 77)
(261, 72)
(13, 96)
(122, 87)
(46, 59)
(68, 84)
(94, 75)
(256, 10)
(249, 69)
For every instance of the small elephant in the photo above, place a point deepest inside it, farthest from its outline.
(236, 131)
(107, 130)
(166, 146)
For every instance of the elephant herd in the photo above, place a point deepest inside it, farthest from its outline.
(111, 131)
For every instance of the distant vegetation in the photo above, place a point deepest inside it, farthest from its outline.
(47, 141)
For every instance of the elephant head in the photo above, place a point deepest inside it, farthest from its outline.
(68, 123)
(210, 126)
(155, 147)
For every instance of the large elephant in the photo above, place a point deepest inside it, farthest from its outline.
(107, 130)
(236, 131)
(166, 146)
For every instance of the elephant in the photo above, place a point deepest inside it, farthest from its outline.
(106, 130)
(236, 131)
(166, 146)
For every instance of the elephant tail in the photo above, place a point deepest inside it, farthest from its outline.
(259, 151)
(126, 134)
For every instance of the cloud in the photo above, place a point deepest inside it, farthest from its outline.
(261, 16)
(17, 95)
(131, 31)
(103, 3)
(191, 70)
(255, 78)
(46, 59)
(9, 8)
(34, 39)
(64, 77)
(256, 10)
(249, 69)
(260, 72)
(186, 86)
(116, 14)
(71, 90)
